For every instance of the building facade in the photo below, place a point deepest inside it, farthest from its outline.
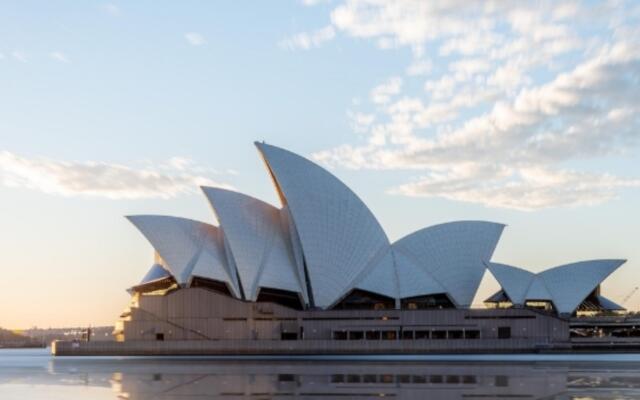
(319, 267)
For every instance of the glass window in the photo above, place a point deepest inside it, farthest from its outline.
(457, 334)
(356, 335)
(472, 334)
(373, 335)
(386, 378)
(422, 335)
(439, 334)
(339, 335)
(369, 378)
(389, 335)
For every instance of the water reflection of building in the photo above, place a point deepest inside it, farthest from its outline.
(353, 381)
(140, 379)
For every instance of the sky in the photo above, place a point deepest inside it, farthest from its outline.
(524, 113)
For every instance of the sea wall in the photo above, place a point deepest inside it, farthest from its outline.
(301, 347)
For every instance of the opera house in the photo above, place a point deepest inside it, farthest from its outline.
(318, 274)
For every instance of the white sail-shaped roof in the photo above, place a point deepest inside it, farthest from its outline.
(187, 247)
(156, 273)
(609, 305)
(514, 281)
(567, 286)
(338, 233)
(258, 242)
(382, 278)
(414, 280)
(538, 290)
(453, 254)
(570, 284)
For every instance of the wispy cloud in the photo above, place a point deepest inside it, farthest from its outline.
(19, 56)
(311, 3)
(524, 188)
(381, 94)
(106, 180)
(519, 93)
(306, 41)
(111, 9)
(195, 39)
(59, 56)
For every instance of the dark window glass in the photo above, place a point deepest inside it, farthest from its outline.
(455, 334)
(288, 336)
(422, 335)
(369, 378)
(439, 334)
(286, 378)
(433, 301)
(469, 379)
(504, 332)
(373, 335)
(363, 300)
(407, 335)
(211, 284)
(472, 334)
(386, 378)
(339, 335)
(278, 296)
(389, 335)
(356, 335)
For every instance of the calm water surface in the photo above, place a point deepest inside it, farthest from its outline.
(33, 374)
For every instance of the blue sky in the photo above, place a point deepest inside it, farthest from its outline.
(525, 114)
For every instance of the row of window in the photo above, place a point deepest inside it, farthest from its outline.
(406, 334)
(500, 381)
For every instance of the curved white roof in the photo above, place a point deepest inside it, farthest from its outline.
(338, 233)
(570, 284)
(453, 254)
(414, 280)
(381, 278)
(187, 247)
(514, 281)
(258, 242)
(566, 286)
(607, 304)
(156, 272)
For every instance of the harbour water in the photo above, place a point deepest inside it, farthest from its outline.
(34, 374)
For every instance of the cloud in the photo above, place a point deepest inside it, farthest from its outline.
(419, 67)
(111, 9)
(195, 39)
(520, 91)
(306, 41)
(59, 56)
(311, 3)
(381, 94)
(99, 179)
(524, 189)
(19, 56)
